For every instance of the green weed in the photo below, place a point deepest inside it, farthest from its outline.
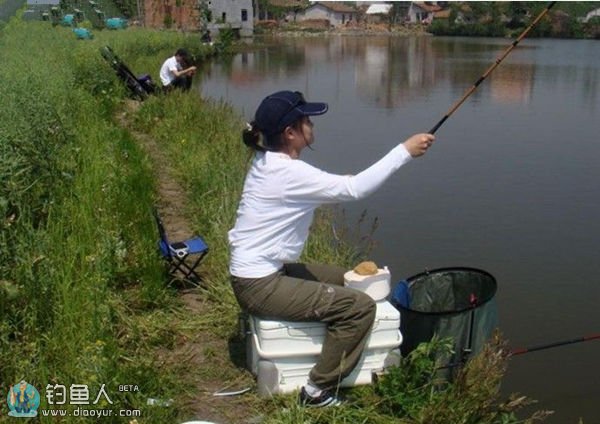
(420, 390)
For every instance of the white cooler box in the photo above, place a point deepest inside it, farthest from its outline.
(282, 353)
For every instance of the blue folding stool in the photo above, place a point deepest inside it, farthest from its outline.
(182, 257)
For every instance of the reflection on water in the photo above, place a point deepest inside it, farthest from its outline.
(511, 186)
(389, 71)
(512, 84)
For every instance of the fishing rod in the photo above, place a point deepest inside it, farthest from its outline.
(521, 351)
(490, 69)
(515, 352)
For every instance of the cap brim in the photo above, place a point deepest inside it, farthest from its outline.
(311, 109)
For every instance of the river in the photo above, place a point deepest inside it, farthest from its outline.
(511, 186)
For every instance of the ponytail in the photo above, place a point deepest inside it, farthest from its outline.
(251, 137)
(254, 138)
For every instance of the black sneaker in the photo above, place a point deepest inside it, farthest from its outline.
(326, 398)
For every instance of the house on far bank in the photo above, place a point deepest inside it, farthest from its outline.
(336, 13)
(378, 13)
(235, 14)
(591, 14)
(184, 15)
(422, 12)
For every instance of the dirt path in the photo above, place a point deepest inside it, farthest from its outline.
(200, 403)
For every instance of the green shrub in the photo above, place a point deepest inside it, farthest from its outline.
(225, 40)
(439, 27)
(416, 381)
(168, 21)
(420, 391)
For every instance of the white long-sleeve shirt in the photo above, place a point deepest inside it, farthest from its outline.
(279, 198)
(167, 74)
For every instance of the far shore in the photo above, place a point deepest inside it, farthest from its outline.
(295, 30)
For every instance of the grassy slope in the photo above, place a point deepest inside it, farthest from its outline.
(83, 296)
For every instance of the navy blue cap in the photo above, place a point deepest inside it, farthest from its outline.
(282, 109)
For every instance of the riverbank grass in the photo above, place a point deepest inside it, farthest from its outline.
(83, 294)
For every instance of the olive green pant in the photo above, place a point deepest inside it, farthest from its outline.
(302, 292)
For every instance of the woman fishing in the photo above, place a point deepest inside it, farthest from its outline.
(280, 195)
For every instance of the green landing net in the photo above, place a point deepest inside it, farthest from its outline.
(455, 303)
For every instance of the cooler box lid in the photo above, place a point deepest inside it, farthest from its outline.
(387, 317)
(307, 337)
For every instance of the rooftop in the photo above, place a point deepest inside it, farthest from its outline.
(428, 7)
(378, 8)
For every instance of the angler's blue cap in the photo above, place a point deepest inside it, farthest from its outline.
(282, 109)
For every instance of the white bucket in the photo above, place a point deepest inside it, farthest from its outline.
(377, 285)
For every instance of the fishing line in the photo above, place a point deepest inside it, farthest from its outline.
(490, 69)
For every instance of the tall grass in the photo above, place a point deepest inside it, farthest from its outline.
(81, 288)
